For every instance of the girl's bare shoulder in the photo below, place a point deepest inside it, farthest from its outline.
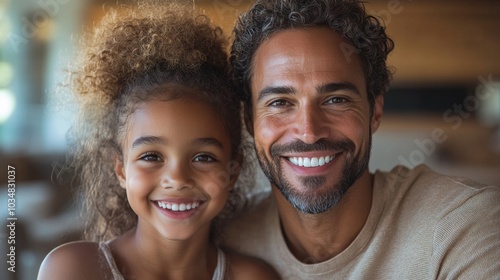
(74, 260)
(242, 267)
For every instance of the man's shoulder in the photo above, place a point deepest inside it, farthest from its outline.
(433, 193)
(252, 228)
(259, 206)
(463, 217)
(422, 178)
(440, 216)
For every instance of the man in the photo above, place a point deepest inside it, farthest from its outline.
(312, 75)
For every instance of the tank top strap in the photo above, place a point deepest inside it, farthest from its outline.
(106, 251)
(220, 269)
(219, 273)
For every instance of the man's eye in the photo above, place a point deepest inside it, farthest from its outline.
(203, 158)
(150, 157)
(336, 100)
(279, 103)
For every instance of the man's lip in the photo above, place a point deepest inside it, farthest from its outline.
(311, 154)
(313, 159)
(317, 164)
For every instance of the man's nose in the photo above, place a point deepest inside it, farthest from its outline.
(310, 124)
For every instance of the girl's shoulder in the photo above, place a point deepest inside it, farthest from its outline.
(74, 260)
(242, 267)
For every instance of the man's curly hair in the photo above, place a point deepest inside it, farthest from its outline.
(365, 33)
(131, 57)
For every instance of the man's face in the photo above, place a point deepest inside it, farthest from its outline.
(311, 116)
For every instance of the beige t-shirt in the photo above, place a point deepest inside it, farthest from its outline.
(422, 225)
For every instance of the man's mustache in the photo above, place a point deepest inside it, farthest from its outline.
(321, 145)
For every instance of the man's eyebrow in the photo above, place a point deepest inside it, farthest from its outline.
(209, 141)
(275, 90)
(332, 87)
(148, 140)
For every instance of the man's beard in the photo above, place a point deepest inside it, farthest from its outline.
(315, 203)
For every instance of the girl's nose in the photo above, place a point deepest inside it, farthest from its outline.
(177, 176)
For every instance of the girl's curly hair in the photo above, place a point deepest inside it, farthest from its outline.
(347, 17)
(133, 53)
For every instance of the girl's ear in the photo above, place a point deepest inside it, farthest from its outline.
(120, 171)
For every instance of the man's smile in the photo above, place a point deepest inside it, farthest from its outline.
(311, 161)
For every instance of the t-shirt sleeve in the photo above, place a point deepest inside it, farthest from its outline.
(466, 241)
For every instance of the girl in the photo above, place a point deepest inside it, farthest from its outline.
(157, 146)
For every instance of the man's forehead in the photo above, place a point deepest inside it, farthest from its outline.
(300, 54)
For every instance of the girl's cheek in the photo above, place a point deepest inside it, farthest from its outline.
(217, 182)
(213, 190)
(138, 180)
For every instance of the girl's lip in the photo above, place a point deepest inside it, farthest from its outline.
(179, 200)
(180, 211)
(179, 204)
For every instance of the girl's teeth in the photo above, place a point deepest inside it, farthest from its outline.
(311, 162)
(178, 207)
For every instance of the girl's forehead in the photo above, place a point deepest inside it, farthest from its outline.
(138, 97)
(167, 91)
(180, 120)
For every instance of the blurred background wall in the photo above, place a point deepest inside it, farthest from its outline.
(443, 108)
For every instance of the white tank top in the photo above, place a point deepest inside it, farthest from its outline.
(219, 273)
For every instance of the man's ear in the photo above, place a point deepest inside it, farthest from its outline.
(378, 111)
(120, 171)
(235, 169)
(247, 116)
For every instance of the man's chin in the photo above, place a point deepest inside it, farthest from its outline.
(309, 186)
(311, 200)
(308, 205)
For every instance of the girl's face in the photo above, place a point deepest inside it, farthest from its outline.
(175, 169)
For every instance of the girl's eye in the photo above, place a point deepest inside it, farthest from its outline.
(150, 157)
(336, 100)
(203, 158)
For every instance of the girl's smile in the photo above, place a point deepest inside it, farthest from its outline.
(180, 211)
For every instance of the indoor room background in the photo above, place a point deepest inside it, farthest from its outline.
(443, 108)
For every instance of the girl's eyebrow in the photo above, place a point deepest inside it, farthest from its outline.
(145, 140)
(152, 140)
(209, 141)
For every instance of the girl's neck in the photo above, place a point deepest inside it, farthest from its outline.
(147, 255)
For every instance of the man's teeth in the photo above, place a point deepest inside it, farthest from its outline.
(311, 162)
(178, 207)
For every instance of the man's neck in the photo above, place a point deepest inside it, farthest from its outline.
(314, 238)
